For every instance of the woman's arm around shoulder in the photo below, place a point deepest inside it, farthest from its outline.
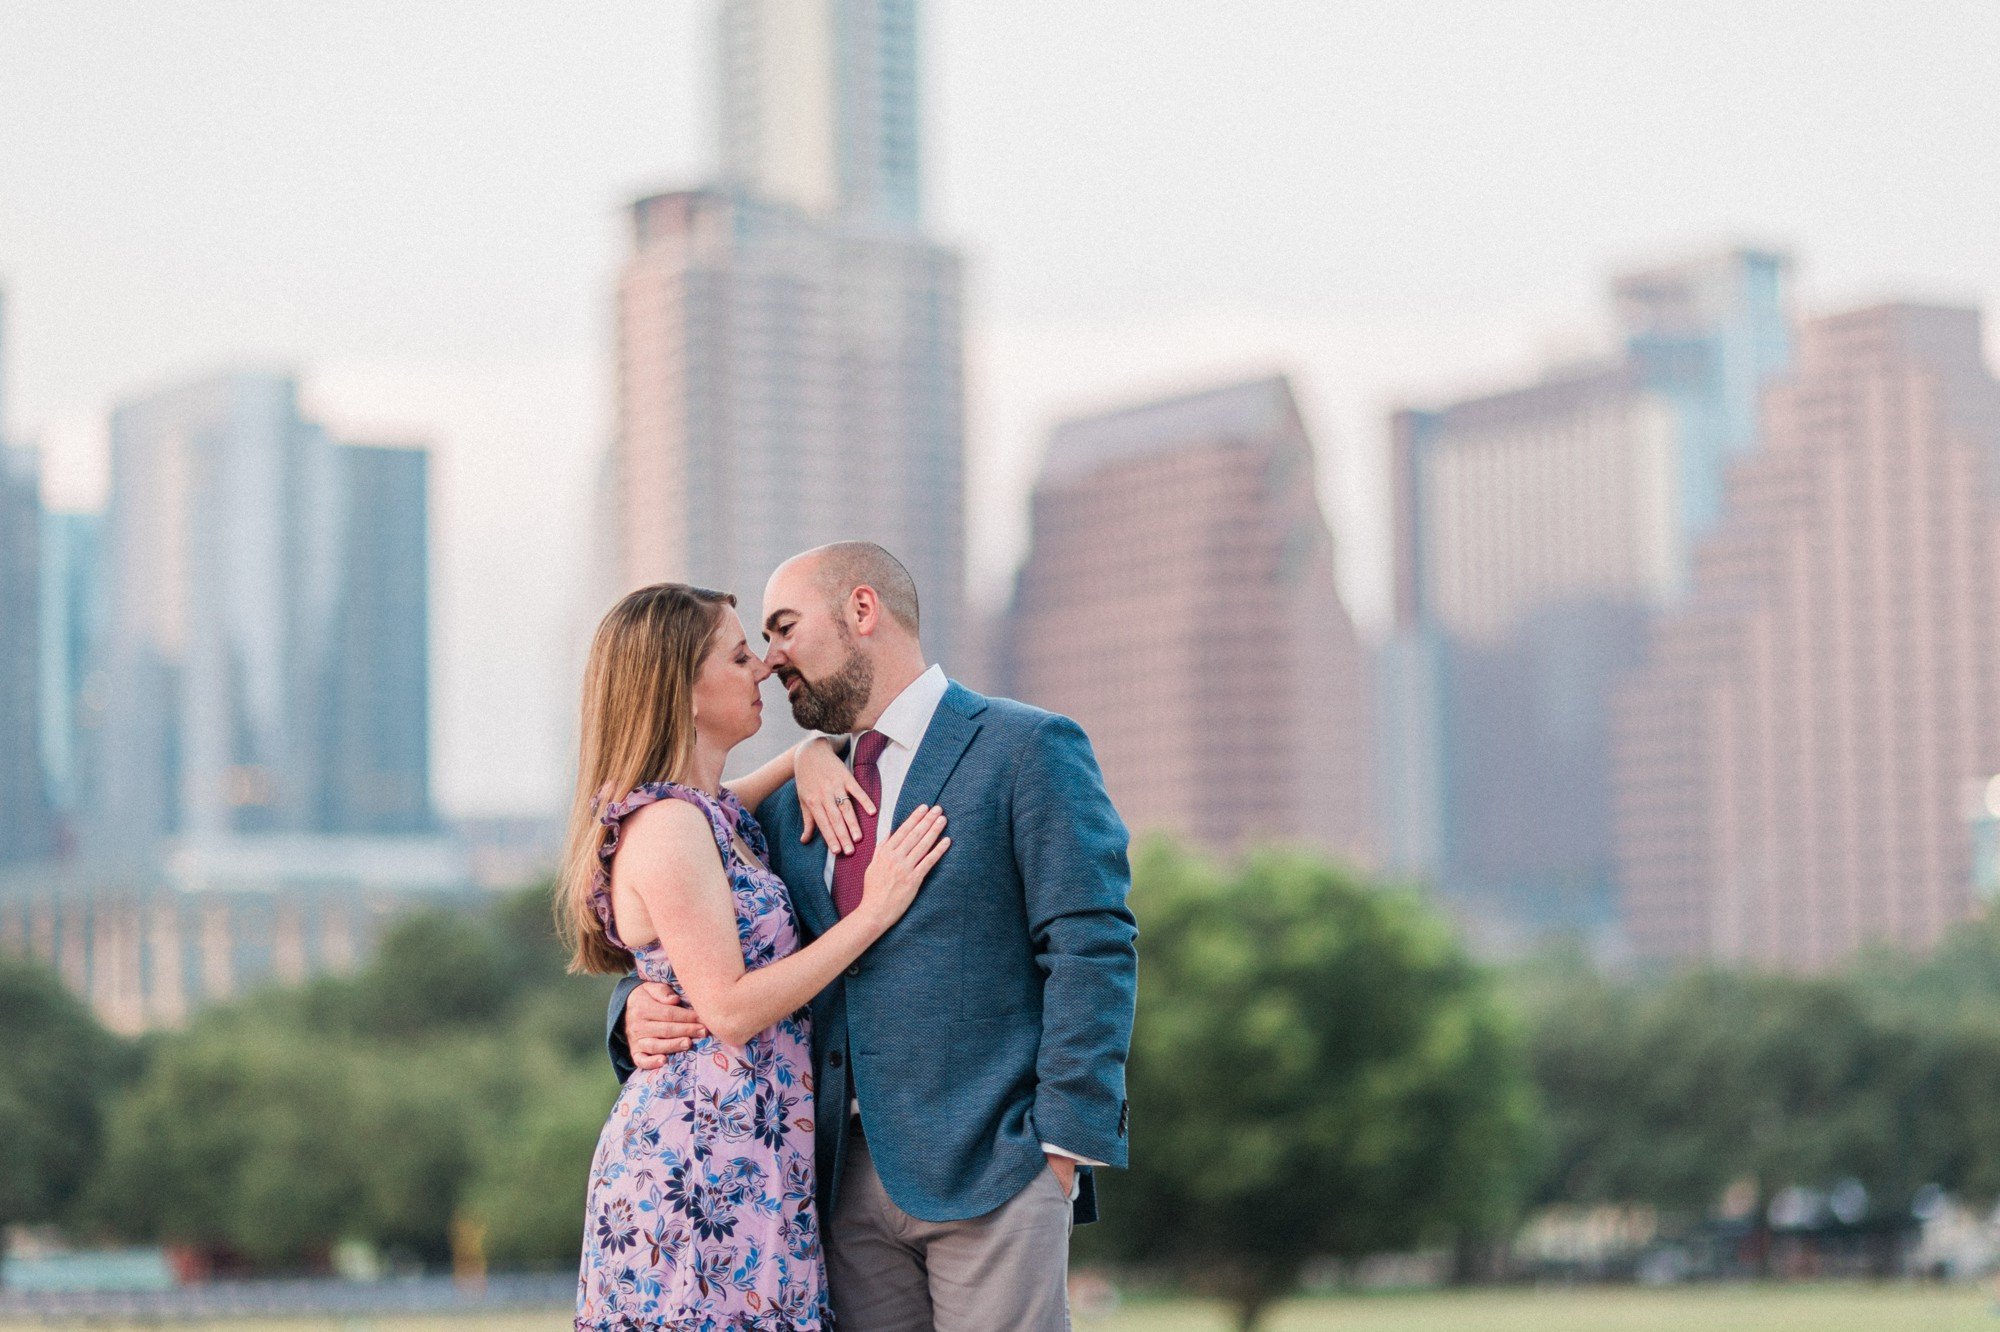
(671, 862)
(828, 790)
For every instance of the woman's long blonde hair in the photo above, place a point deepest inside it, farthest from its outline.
(638, 727)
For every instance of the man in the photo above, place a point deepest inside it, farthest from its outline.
(970, 1068)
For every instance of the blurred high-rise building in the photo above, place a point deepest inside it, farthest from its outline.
(1536, 532)
(219, 583)
(243, 649)
(1706, 336)
(1179, 602)
(25, 825)
(819, 106)
(1796, 762)
(789, 359)
(377, 701)
(72, 706)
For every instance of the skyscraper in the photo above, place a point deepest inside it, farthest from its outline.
(24, 811)
(1536, 531)
(219, 579)
(819, 106)
(1179, 601)
(264, 622)
(377, 701)
(789, 360)
(72, 607)
(1795, 762)
(1706, 336)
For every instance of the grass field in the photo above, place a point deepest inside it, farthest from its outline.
(1727, 1309)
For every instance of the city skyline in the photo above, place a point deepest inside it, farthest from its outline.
(430, 247)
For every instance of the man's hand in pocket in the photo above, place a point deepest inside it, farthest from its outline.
(1065, 1173)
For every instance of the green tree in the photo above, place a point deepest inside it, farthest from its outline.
(57, 1066)
(1667, 1092)
(241, 1140)
(1318, 1070)
(423, 1115)
(1948, 1119)
(372, 1106)
(274, 1147)
(531, 1180)
(1959, 979)
(437, 971)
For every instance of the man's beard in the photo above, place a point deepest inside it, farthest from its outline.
(832, 705)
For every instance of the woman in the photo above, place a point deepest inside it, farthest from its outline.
(701, 1212)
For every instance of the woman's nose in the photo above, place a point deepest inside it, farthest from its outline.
(762, 669)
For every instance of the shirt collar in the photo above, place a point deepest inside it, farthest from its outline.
(909, 714)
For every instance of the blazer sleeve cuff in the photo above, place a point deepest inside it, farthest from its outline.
(1105, 1148)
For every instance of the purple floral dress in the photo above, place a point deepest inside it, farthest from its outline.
(701, 1214)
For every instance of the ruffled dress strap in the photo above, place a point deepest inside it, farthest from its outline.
(722, 817)
(744, 824)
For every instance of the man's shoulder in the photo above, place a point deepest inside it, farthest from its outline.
(997, 711)
(1022, 729)
(1008, 716)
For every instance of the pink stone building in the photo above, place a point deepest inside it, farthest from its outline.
(1179, 602)
(1792, 765)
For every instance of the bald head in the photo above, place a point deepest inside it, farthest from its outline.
(839, 568)
(840, 626)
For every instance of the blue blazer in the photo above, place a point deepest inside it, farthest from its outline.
(997, 1014)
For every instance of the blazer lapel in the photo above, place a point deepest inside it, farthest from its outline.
(952, 727)
(803, 869)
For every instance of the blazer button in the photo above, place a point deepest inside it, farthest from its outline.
(834, 1059)
(854, 970)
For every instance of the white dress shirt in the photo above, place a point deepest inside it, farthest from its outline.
(903, 724)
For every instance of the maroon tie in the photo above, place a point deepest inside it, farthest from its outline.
(850, 871)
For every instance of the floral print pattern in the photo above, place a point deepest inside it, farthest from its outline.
(701, 1215)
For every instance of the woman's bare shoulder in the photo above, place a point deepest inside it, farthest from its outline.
(665, 835)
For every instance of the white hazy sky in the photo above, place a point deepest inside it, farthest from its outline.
(418, 206)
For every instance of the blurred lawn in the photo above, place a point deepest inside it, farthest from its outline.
(1739, 1309)
(1701, 1309)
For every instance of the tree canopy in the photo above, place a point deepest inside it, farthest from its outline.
(57, 1067)
(1318, 1070)
(460, 1076)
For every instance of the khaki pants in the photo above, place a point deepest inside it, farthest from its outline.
(1006, 1271)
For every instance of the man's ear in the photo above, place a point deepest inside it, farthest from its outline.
(867, 608)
